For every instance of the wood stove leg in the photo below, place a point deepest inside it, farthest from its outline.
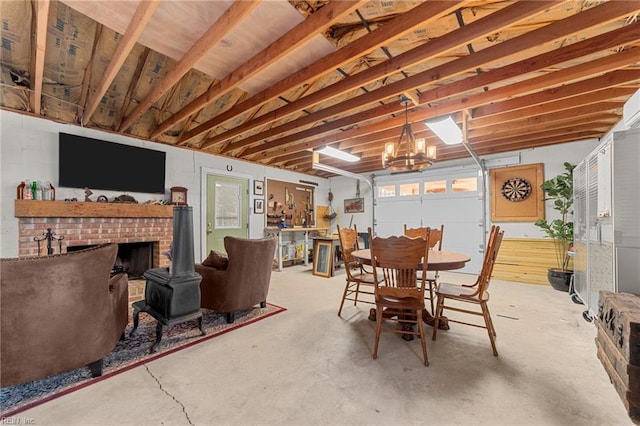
(136, 318)
(230, 317)
(263, 304)
(155, 346)
(96, 368)
(202, 333)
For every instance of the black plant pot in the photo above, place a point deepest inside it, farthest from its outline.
(559, 279)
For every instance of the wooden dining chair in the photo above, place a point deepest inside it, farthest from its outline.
(399, 293)
(475, 294)
(435, 243)
(358, 281)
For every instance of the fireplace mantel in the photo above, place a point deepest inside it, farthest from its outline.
(37, 208)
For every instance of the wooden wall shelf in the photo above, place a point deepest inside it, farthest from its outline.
(37, 208)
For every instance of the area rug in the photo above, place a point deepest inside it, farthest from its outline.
(129, 353)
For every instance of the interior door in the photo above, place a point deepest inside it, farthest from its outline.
(227, 210)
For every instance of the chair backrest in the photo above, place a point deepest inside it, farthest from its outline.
(491, 253)
(348, 244)
(399, 260)
(435, 235)
(250, 260)
(435, 238)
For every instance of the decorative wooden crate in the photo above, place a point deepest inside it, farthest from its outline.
(619, 317)
(618, 345)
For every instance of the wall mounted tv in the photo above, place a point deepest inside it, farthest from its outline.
(96, 164)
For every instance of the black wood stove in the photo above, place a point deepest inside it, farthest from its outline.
(173, 297)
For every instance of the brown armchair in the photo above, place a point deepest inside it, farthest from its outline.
(59, 313)
(243, 282)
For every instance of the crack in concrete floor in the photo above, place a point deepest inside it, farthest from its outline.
(184, 410)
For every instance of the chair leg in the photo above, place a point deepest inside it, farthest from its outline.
(431, 285)
(379, 310)
(436, 318)
(493, 328)
(344, 296)
(422, 337)
(489, 324)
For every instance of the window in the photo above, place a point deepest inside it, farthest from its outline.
(386, 191)
(227, 205)
(409, 189)
(464, 185)
(436, 186)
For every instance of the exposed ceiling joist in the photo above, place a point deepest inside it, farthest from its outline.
(37, 73)
(143, 14)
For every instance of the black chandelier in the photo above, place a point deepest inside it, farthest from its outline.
(408, 153)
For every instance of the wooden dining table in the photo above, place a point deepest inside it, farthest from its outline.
(438, 261)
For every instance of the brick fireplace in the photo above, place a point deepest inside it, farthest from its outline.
(86, 224)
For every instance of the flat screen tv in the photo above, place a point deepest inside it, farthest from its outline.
(95, 164)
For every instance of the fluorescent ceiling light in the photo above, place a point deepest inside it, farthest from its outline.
(317, 165)
(446, 129)
(336, 153)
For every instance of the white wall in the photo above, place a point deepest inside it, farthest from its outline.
(29, 150)
(553, 158)
(345, 188)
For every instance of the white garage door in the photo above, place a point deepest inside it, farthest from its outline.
(452, 197)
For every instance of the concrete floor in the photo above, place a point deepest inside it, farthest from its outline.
(307, 366)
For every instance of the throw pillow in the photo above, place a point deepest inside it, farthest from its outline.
(216, 260)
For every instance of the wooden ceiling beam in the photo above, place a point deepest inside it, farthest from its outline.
(554, 132)
(610, 79)
(229, 19)
(135, 78)
(568, 113)
(285, 158)
(499, 130)
(316, 23)
(601, 65)
(390, 31)
(423, 53)
(86, 79)
(40, 45)
(301, 33)
(599, 43)
(559, 106)
(537, 143)
(602, 42)
(136, 26)
(575, 73)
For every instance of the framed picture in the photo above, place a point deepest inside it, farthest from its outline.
(515, 193)
(322, 258)
(258, 206)
(258, 187)
(354, 205)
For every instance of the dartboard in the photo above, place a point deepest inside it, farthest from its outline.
(516, 189)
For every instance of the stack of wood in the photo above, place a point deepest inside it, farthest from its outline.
(618, 344)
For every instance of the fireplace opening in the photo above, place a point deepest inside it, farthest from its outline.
(133, 258)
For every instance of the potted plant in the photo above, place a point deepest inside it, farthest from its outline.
(560, 190)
